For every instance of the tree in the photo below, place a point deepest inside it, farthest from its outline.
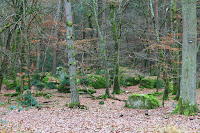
(187, 102)
(71, 54)
(102, 46)
(116, 87)
(56, 37)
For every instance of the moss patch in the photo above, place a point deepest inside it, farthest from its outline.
(97, 82)
(185, 108)
(142, 101)
(147, 83)
(131, 81)
(12, 94)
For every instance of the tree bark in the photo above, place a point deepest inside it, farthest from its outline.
(56, 37)
(187, 101)
(116, 87)
(71, 54)
(102, 46)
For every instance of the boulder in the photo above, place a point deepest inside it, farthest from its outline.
(142, 101)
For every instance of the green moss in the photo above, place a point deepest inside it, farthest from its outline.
(156, 94)
(47, 95)
(101, 102)
(69, 23)
(98, 82)
(185, 108)
(12, 94)
(103, 96)
(40, 85)
(74, 105)
(36, 77)
(86, 91)
(142, 101)
(147, 83)
(100, 72)
(63, 89)
(18, 88)
(10, 84)
(45, 80)
(85, 81)
(132, 81)
(158, 84)
(51, 85)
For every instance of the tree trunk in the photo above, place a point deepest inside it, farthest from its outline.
(102, 46)
(116, 87)
(71, 54)
(56, 37)
(187, 102)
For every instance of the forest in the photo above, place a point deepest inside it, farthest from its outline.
(110, 66)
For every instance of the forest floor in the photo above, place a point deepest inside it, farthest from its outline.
(110, 117)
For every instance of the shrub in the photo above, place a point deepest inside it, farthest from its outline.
(98, 82)
(100, 72)
(38, 84)
(158, 82)
(63, 89)
(45, 80)
(51, 85)
(66, 81)
(35, 82)
(10, 84)
(85, 81)
(28, 99)
(64, 86)
(37, 77)
(18, 88)
(38, 94)
(147, 83)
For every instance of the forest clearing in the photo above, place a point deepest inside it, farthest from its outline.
(119, 66)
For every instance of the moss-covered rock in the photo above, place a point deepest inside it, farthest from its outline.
(132, 81)
(142, 101)
(147, 83)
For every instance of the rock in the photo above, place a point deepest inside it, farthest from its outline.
(142, 101)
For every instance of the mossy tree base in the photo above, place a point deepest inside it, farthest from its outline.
(74, 105)
(185, 109)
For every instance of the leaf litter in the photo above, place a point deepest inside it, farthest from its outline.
(111, 117)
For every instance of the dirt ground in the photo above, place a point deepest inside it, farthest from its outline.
(107, 118)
